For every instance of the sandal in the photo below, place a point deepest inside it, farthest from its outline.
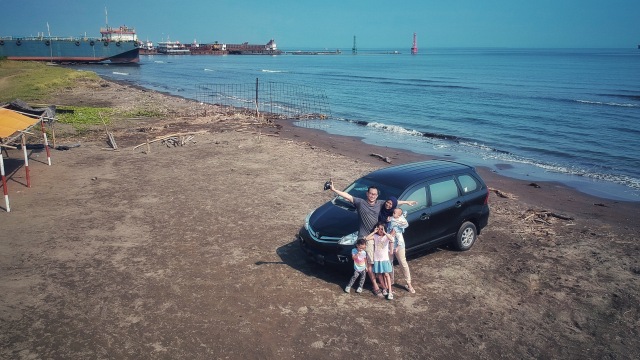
(410, 288)
(378, 293)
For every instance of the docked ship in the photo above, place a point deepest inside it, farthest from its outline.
(116, 45)
(248, 49)
(147, 48)
(172, 48)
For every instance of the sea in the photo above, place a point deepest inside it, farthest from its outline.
(565, 115)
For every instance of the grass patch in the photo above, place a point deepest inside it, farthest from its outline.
(32, 81)
(143, 113)
(84, 117)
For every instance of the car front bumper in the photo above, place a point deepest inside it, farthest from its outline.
(324, 252)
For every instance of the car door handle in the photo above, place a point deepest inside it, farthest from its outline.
(425, 216)
(458, 204)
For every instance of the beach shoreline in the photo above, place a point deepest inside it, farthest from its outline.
(189, 250)
(548, 195)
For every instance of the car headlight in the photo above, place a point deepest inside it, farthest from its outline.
(349, 239)
(306, 220)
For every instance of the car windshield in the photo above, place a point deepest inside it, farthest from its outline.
(359, 189)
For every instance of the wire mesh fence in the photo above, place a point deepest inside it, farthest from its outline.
(274, 99)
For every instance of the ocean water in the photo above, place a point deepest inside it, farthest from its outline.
(567, 115)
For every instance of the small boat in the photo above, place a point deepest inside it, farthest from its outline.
(147, 48)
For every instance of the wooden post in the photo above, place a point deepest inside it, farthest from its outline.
(53, 134)
(257, 111)
(4, 184)
(46, 143)
(26, 159)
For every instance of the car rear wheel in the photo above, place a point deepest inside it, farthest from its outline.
(466, 236)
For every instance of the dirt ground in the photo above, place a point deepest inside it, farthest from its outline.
(190, 252)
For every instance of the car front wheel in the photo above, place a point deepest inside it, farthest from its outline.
(466, 236)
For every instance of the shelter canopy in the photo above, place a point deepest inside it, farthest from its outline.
(12, 122)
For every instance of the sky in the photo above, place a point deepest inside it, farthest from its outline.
(332, 24)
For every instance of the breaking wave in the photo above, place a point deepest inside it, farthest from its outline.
(606, 103)
(459, 144)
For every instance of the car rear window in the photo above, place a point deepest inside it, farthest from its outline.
(443, 191)
(468, 183)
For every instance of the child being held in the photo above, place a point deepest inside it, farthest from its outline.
(398, 223)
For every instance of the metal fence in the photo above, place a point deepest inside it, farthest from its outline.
(269, 98)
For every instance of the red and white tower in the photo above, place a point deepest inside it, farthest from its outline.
(414, 48)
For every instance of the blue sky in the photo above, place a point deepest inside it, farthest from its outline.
(333, 23)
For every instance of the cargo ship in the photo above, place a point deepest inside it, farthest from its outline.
(116, 45)
(247, 49)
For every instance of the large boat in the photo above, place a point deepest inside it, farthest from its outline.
(248, 49)
(116, 45)
(172, 48)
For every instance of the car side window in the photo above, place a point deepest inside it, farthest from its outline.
(420, 196)
(468, 183)
(443, 191)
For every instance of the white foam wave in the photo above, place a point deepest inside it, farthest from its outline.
(606, 103)
(620, 179)
(476, 145)
(205, 69)
(272, 71)
(159, 62)
(393, 128)
(120, 73)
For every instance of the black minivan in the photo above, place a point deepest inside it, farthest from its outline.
(452, 207)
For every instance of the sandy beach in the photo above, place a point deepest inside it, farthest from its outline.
(189, 252)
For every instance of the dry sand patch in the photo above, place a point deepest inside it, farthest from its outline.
(190, 252)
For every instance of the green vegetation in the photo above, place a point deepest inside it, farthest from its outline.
(35, 81)
(31, 81)
(82, 117)
(142, 113)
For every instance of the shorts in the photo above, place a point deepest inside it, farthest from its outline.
(369, 250)
(382, 267)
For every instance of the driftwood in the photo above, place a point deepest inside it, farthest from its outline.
(110, 139)
(503, 194)
(383, 158)
(177, 141)
(542, 216)
(165, 137)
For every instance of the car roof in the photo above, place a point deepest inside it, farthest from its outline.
(402, 176)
